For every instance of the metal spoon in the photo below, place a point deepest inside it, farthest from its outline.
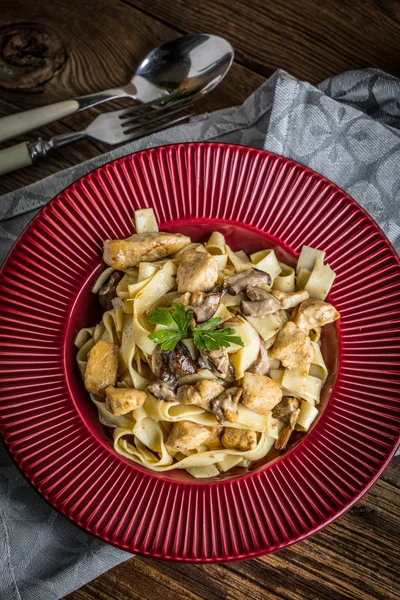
(190, 64)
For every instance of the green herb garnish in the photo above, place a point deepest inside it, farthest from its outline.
(180, 324)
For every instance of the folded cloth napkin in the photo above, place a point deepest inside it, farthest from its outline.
(347, 128)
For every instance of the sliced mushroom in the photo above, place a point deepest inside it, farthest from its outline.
(286, 406)
(261, 365)
(120, 401)
(217, 361)
(197, 272)
(290, 299)
(179, 360)
(292, 347)
(225, 405)
(286, 431)
(147, 247)
(162, 390)
(239, 439)
(101, 368)
(108, 290)
(199, 394)
(260, 393)
(315, 313)
(161, 369)
(203, 305)
(261, 303)
(185, 436)
(236, 284)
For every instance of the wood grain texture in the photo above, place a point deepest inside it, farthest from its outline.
(358, 556)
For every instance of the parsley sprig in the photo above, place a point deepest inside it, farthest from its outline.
(180, 324)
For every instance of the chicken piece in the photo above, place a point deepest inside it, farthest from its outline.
(236, 284)
(120, 401)
(261, 365)
(239, 439)
(213, 442)
(260, 393)
(315, 313)
(290, 299)
(108, 290)
(199, 394)
(161, 391)
(286, 431)
(203, 305)
(185, 436)
(197, 272)
(147, 247)
(217, 361)
(101, 368)
(286, 406)
(292, 347)
(225, 405)
(261, 303)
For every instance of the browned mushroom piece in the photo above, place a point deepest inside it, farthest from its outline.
(225, 405)
(203, 305)
(286, 431)
(261, 303)
(179, 360)
(217, 361)
(108, 290)
(199, 394)
(261, 365)
(286, 406)
(162, 390)
(236, 284)
(161, 369)
(290, 299)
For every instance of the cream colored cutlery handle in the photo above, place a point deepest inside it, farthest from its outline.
(33, 119)
(14, 158)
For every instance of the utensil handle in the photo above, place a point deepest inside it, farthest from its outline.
(23, 122)
(15, 158)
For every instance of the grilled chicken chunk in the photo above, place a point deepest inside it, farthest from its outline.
(315, 313)
(102, 366)
(197, 272)
(124, 254)
(292, 347)
(290, 299)
(260, 393)
(236, 284)
(120, 401)
(199, 394)
(213, 442)
(239, 439)
(185, 436)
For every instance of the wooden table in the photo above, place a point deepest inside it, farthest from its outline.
(95, 44)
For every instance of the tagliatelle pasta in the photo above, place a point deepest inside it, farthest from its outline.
(197, 362)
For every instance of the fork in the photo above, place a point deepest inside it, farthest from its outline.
(114, 127)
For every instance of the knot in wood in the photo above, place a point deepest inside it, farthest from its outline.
(30, 54)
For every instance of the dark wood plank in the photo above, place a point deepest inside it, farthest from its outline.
(93, 63)
(309, 38)
(358, 556)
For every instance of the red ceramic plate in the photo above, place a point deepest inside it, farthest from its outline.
(258, 200)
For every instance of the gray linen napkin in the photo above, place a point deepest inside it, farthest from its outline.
(347, 129)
